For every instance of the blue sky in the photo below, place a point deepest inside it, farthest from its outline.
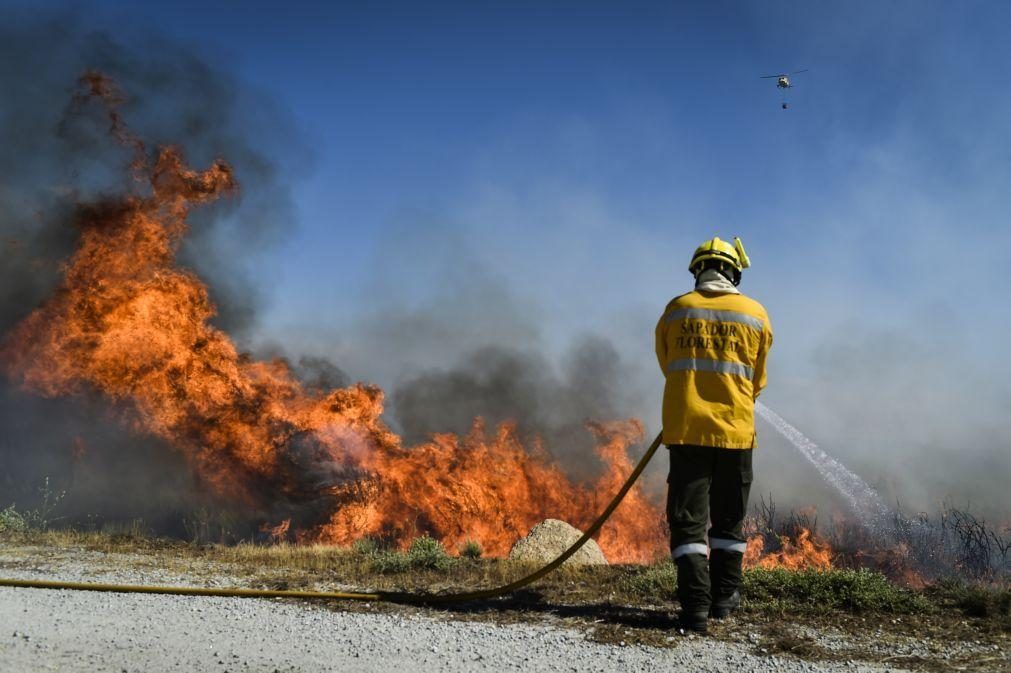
(654, 111)
(531, 171)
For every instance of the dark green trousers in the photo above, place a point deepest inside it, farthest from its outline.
(707, 484)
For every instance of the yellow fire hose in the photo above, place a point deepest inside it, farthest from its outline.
(388, 596)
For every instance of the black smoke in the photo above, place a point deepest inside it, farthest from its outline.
(502, 384)
(57, 154)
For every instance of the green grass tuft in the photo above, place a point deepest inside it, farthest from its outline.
(657, 581)
(978, 602)
(427, 552)
(848, 590)
(366, 546)
(388, 562)
(472, 550)
(992, 604)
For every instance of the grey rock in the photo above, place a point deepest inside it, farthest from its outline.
(548, 539)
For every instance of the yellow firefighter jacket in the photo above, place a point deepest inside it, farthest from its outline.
(712, 349)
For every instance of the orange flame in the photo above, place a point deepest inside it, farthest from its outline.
(277, 533)
(129, 323)
(806, 551)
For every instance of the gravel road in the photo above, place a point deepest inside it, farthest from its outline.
(45, 630)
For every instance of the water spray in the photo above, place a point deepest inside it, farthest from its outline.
(865, 502)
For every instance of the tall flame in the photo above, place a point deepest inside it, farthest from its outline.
(129, 323)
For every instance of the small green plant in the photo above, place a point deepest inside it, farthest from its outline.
(654, 581)
(15, 521)
(50, 501)
(12, 521)
(472, 550)
(427, 552)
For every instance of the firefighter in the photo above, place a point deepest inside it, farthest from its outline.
(712, 345)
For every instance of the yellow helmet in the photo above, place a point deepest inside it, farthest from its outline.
(722, 251)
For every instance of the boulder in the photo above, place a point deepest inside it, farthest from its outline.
(548, 539)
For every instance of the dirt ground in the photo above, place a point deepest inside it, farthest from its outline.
(576, 620)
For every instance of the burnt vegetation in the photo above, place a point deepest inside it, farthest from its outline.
(952, 545)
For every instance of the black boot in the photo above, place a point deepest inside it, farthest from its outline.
(725, 568)
(693, 592)
(723, 608)
(696, 622)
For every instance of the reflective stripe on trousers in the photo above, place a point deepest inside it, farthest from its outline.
(705, 365)
(728, 545)
(714, 543)
(690, 548)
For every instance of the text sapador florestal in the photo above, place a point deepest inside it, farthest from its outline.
(708, 335)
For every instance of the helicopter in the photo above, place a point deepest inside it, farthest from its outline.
(783, 82)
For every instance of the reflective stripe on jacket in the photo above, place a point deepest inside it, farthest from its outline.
(712, 349)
